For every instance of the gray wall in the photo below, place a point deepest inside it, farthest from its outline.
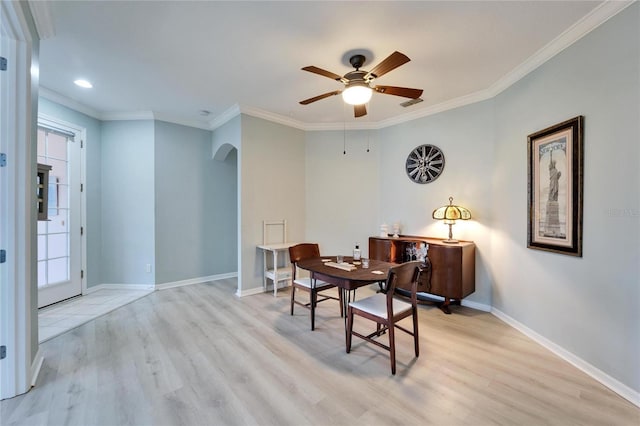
(465, 135)
(93, 182)
(350, 195)
(195, 206)
(342, 190)
(128, 202)
(272, 167)
(590, 305)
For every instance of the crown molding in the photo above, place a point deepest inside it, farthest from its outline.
(68, 102)
(598, 16)
(224, 117)
(42, 17)
(318, 127)
(461, 101)
(270, 116)
(127, 116)
(585, 25)
(198, 124)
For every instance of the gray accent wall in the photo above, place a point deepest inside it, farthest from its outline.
(195, 206)
(342, 190)
(589, 306)
(272, 187)
(128, 202)
(349, 196)
(465, 136)
(93, 182)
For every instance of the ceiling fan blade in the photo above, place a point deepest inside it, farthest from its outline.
(359, 110)
(392, 62)
(399, 91)
(317, 98)
(322, 72)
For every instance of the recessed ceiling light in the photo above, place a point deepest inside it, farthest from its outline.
(83, 83)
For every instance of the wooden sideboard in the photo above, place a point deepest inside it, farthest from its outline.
(453, 266)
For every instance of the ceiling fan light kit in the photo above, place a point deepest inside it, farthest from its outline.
(357, 93)
(358, 89)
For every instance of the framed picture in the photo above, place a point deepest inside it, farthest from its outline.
(555, 164)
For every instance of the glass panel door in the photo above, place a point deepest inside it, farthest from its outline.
(55, 235)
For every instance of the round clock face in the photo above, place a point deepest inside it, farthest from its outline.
(425, 163)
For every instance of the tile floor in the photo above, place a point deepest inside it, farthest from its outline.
(59, 318)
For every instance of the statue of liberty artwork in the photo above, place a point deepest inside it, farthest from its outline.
(555, 170)
(555, 205)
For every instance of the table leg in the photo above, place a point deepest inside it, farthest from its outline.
(346, 299)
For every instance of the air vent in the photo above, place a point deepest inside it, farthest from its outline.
(411, 102)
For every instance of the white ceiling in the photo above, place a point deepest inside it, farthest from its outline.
(177, 58)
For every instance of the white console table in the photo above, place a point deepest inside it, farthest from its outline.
(275, 274)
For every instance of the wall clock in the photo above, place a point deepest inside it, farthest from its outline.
(425, 163)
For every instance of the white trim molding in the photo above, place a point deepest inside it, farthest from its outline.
(199, 280)
(588, 23)
(615, 385)
(140, 287)
(42, 17)
(36, 366)
(475, 305)
(17, 286)
(250, 292)
(598, 16)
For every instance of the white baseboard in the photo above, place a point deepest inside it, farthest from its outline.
(95, 288)
(199, 280)
(620, 388)
(475, 305)
(36, 365)
(250, 292)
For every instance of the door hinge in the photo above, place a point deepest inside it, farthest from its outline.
(81, 274)
(3, 159)
(3, 256)
(3, 63)
(3, 352)
(82, 230)
(81, 187)
(81, 143)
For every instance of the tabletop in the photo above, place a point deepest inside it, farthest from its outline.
(346, 279)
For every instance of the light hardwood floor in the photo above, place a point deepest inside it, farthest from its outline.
(197, 355)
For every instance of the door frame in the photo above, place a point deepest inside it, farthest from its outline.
(81, 137)
(23, 359)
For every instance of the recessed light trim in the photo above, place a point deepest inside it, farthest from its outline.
(83, 83)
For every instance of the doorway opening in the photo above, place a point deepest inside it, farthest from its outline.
(61, 236)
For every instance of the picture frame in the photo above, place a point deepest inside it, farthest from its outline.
(555, 188)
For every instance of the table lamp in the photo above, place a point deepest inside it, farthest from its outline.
(450, 214)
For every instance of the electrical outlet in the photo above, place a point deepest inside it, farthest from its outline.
(148, 267)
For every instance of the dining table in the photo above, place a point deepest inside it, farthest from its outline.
(348, 277)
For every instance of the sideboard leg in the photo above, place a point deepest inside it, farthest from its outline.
(444, 306)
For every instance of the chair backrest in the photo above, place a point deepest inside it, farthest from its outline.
(405, 275)
(301, 252)
(274, 231)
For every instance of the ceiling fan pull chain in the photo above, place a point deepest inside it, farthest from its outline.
(344, 131)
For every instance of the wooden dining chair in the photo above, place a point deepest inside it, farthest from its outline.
(386, 310)
(314, 287)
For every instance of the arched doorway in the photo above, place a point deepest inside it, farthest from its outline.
(228, 153)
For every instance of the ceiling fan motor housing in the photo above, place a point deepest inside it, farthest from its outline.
(357, 61)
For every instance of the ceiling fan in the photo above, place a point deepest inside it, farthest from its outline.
(358, 89)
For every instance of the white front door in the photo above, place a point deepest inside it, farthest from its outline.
(59, 238)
